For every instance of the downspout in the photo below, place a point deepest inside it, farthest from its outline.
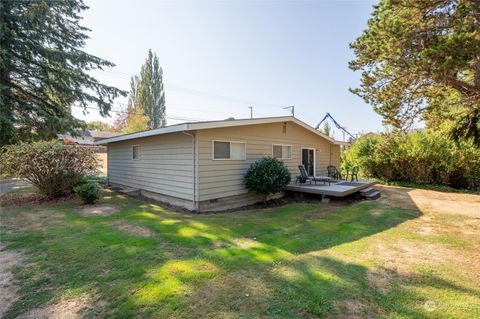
(195, 202)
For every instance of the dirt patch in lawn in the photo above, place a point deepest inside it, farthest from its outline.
(8, 288)
(31, 198)
(378, 279)
(376, 212)
(131, 229)
(98, 210)
(245, 292)
(70, 308)
(431, 201)
(352, 309)
(404, 256)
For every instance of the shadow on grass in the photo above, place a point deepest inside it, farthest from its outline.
(162, 275)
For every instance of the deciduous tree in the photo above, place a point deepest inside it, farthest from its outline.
(147, 93)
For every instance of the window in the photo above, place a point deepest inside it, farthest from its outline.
(282, 151)
(228, 150)
(135, 152)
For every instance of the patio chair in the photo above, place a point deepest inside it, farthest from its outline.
(354, 173)
(333, 172)
(303, 178)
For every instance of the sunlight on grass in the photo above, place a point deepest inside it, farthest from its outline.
(254, 252)
(148, 215)
(173, 279)
(193, 232)
(169, 221)
(327, 276)
(295, 261)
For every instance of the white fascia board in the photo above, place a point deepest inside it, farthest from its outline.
(231, 123)
(158, 131)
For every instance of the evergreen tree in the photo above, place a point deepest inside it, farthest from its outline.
(43, 69)
(417, 57)
(147, 93)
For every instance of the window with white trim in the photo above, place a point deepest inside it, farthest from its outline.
(135, 152)
(282, 151)
(226, 150)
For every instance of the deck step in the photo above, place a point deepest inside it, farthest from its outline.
(376, 194)
(367, 191)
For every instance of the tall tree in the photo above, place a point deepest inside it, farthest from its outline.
(98, 126)
(327, 129)
(43, 69)
(417, 57)
(147, 93)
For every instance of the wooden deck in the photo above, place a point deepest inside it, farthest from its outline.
(335, 189)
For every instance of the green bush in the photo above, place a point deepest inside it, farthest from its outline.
(54, 168)
(421, 157)
(89, 192)
(267, 176)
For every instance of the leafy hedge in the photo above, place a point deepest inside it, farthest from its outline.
(421, 157)
(54, 168)
(89, 192)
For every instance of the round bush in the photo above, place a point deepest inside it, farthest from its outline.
(88, 192)
(54, 168)
(267, 176)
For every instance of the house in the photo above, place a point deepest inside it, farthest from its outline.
(200, 166)
(88, 137)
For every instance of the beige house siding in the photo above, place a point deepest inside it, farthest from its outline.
(335, 155)
(222, 178)
(165, 165)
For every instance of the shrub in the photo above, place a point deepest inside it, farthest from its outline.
(89, 192)
(420, 157)
(52, 167)
(267, 176)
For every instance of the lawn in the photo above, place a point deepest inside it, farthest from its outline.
(394, 258)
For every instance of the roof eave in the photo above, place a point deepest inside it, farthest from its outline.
(162, 130)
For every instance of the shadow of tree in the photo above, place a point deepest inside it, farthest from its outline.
(218, 265)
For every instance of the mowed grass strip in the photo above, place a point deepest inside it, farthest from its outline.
(297, 261)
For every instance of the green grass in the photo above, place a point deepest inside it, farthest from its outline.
(433, 187)
(296, 261)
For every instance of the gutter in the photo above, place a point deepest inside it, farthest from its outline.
(195, 202)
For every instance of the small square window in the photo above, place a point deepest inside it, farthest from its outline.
(277, 151)
(221, 150)
(229, 150)
(135, 152)
(282, 151)
(237, 151)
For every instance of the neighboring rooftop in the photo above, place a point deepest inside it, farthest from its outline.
(192, 126)
(88, 137)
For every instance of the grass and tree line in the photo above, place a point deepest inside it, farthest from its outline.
(412, 254)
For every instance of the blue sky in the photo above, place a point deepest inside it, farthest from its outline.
(219, 58)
